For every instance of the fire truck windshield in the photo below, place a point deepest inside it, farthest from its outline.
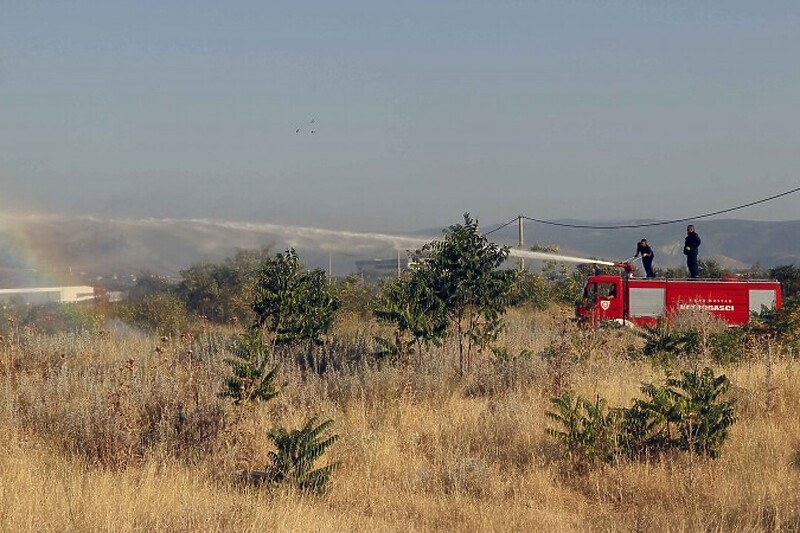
(591, 291)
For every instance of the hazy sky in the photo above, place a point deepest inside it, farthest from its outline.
(421, 110)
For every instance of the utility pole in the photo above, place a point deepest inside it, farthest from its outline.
(521, 225)
(330, 265)
(398, 263)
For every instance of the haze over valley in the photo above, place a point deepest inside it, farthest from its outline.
(37, 249)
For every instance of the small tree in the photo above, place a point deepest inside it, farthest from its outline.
(223, 291)
(160, 312)
(292, 305)
(418, 314)
(531, 289)
(710, 268)
(464, 272)
(789, 276)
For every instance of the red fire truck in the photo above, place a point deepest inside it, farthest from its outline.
(622, 298)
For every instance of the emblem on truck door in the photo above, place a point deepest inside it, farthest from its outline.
(605, 304)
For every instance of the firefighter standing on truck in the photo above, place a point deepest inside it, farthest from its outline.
(691, 244)
(647, 254)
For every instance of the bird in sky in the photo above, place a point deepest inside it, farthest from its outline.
(310, 122)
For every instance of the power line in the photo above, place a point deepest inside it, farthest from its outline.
(515, 219)
(661, 223)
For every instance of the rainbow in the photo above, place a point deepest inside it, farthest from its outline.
(21, 263)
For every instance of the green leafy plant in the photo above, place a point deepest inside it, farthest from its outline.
(418, 314)
(662, 341)
(252, 379)
(531, 289)
(686, 413)
(295, 456)
(701, 415)
(508, 365)
(160, 312)
(465, 275)
(291, 303)
(783, 324)
(710, 268)
(588, 428)
(728, 346)
(223, 291)
(293, 306)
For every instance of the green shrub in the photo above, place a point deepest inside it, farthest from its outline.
(418, 315)
(252, 380)
(530, 289)
(728, 346)
(695, 408)
(687, 413)
(296, 453)
(663, 341)
(589, 429)
(162, 313)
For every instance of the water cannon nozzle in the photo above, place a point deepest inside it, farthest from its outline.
(624, 265)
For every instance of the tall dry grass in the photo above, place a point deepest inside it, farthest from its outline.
(127, 433)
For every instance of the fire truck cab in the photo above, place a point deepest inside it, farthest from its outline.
(644, 301)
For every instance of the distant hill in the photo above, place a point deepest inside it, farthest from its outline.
(40, 248)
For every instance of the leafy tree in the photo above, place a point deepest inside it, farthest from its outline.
(148, 283)
(356, 296)
(710, 268)
(789, 277)
(162, 313)
(200, 290)
(419, 315)
(531, 289)
(783, 323)
(465, 275)
(294, 306)
(222, 292)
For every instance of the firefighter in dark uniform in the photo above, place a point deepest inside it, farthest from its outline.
(647, 254)
(691, 244)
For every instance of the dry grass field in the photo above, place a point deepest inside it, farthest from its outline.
(125, 432)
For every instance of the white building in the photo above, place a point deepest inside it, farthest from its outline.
(38, 295)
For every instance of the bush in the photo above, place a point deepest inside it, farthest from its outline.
(296, 453)
(687, 413)
(532, 290)
(162, 313)
(589, 429)
(251, 379)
